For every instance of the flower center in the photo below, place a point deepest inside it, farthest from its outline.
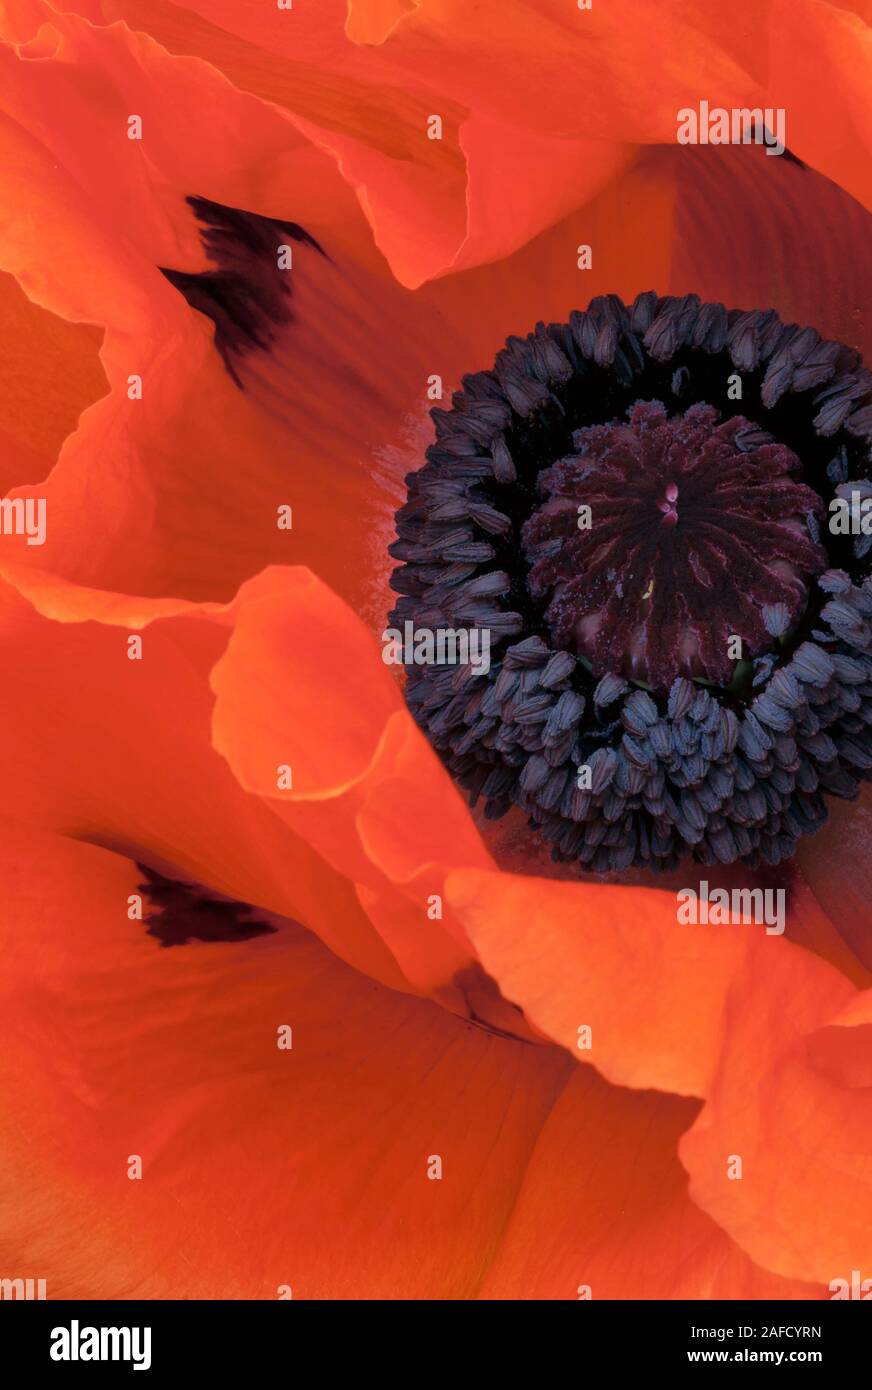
(679, 650)
(662, 545)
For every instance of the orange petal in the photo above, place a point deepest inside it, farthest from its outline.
(820, 68)
(53, 373)
(654, 993)
(122, 755)
(547, 101)
(618, 71)
(370, 21)
(200, 465)
(791, 1100)
(606, 1161)
(368, 792)
(356, 847)
(842, 1047)
(263, 1168)
(756, 231)
(371, 124)
(837, 864)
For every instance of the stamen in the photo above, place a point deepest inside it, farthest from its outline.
(681, 647)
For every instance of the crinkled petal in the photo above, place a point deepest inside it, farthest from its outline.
(546, 103)
(119, 751)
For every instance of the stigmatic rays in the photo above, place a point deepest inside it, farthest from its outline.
(694, 529)
(681, 647)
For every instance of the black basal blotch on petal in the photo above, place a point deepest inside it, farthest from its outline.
(247, 296)
(178, 913)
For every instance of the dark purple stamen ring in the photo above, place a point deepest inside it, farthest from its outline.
(609, 645)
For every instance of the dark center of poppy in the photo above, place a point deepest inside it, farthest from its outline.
(679, 636)
(662, 546)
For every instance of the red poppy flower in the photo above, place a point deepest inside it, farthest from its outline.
(342, 974)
